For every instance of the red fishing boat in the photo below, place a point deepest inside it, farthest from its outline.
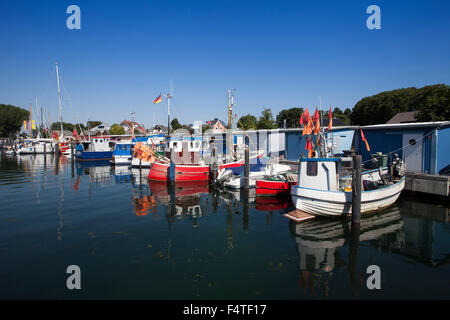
(276, 186)
(177, 172)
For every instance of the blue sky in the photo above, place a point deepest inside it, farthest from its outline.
(276, 54)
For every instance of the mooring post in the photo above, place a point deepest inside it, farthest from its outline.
(57, 151)
(356, 189)
(247, 165)
(72, 158)
(45, 149)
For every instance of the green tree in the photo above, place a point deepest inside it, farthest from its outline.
(292, 117)
(430, 102)
(93, 124)
(248, 122)
(11, 119)
(175, 124)
(266, 120)
(56, 126)
(116, 129)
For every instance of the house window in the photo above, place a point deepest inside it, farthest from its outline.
(311, 168)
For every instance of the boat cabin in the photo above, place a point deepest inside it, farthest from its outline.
(97, 144)
(184, 150)
(319, 173)
(122, 149)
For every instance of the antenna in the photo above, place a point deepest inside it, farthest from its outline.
(230, 103)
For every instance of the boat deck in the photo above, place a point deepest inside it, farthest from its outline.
(298, 215)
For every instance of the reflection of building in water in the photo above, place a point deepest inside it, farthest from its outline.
(419, 239)
(317, 241)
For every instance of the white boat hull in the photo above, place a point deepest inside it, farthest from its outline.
(135, 162)
(338, 203)
(121, 160)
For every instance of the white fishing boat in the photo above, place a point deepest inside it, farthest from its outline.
(322, 192)
(36, 146)
(237, 181)
(122, 153)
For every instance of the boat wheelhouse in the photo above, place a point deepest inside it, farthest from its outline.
(122, 153)
(322, 192)
(96, 149)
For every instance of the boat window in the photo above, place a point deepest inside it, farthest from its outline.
(412, 142)
(95, 140)
(311, 168)
(101, 140)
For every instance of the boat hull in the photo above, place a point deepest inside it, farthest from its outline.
(93, 156)
(121, 160)
(336, 203)
(135, 162)
(161, 172)
(269, 188)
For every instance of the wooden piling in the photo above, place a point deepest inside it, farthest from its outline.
(247, 165)
(356, 189)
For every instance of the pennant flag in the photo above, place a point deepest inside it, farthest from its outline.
(364, 139)
(316, 115)
(309, 147)
(157, 100)
(25, 124)
(308, 128)
(317, 128)
(330, 118)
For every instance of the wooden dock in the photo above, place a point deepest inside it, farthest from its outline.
(298, 216)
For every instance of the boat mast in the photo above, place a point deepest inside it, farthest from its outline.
(59, 100)
(169, 96)
(29, 123)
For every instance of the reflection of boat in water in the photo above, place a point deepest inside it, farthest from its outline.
(317, 240)
(97, 171)
(122, 174)
(181, 197)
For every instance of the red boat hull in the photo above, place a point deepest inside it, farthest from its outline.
(160, 172)
(273, 188)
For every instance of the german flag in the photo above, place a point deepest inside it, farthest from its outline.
(157, 100)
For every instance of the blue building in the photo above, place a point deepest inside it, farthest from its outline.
(424, 145)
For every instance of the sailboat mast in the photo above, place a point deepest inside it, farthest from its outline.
(29, 123)
(59, 99)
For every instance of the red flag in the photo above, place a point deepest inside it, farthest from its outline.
(364, 139)
(75, 134)
(330, 120)
(309, 147)
(316, 115)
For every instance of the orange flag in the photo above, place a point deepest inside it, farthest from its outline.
(317, 127)
(330, 122)
(364, 139)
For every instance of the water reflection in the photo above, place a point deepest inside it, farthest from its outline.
(317, 242)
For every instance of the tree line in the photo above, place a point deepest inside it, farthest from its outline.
(430, 103)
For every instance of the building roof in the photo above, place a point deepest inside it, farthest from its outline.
(130, 125)
(403, 117)
(407, 125)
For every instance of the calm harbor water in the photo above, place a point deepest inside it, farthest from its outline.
(138, 240)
